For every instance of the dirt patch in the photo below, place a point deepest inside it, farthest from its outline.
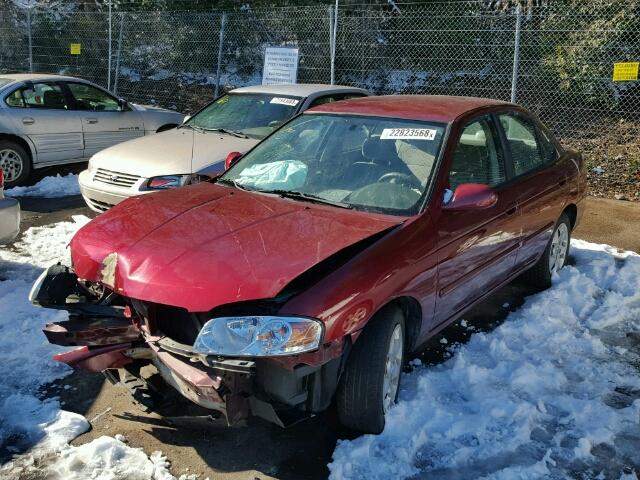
(613, 160)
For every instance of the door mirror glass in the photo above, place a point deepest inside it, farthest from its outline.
(232, 158)
(471, 196)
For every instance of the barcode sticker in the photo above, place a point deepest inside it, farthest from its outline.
(408, 134)
(292, 102)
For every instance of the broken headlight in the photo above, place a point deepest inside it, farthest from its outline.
(258, 336)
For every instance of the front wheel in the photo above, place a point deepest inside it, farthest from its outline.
(554, 256)
(370, 383)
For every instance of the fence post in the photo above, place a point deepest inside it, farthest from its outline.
(516, 55)
(30, 40)
(223, 21)
(333, 30)
(109, 57)
(118, 52)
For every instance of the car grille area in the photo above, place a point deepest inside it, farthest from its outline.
(115, 178)
(98, 205)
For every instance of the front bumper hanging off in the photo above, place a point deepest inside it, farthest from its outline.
(108, 338)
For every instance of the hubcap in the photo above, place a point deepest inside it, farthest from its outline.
(392, 369)
(559, 247)
(11, 164)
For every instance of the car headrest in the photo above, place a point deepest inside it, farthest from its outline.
(53, 99)
(379, 151)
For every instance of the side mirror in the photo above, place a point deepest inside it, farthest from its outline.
(123, 104)
(186, 118)
(471, 196)
(232, 158)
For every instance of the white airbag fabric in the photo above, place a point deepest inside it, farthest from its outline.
(283, 174)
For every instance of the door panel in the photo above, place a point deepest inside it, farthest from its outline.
(104, 129)
(540, 181)
(40, 112)
(104, 122)
(476, 248)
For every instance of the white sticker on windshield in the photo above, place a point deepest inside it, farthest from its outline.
(292, 102)
(408, 134)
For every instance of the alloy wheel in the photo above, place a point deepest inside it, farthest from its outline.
(392, 369)
(11, 163)
(559, 244)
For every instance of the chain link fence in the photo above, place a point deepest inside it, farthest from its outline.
(555, 58)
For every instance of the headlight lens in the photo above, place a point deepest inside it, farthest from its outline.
(257, 336)
(173, 181)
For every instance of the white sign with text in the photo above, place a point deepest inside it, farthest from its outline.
(280, 66)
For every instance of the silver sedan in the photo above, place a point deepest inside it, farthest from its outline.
(51, 119)
(9, 215)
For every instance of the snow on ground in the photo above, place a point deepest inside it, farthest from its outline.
(553, 392)
(26, 420)
(50, 187)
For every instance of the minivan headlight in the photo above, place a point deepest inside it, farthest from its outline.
(258, 336)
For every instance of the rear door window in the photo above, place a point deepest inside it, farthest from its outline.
(522, 138)
(38, 95)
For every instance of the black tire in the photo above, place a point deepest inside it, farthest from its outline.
(164, 128)
(14, 152)
(359, 399)
(540, 274)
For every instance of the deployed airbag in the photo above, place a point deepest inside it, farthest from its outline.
(283, 174)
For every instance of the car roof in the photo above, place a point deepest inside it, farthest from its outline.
(437, 108)
(24, 77)
(298, 89)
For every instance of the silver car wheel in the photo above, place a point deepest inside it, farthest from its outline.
(392, 369)
(559, 247)
(11, 163)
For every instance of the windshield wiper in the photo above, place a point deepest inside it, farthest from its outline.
(192, 127)
(308, 197)
(228, 132)
(228, 181)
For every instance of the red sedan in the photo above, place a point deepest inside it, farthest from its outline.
(309, 270)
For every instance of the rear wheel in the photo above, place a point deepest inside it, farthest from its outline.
(15, 162)
(554, 256)
(370, 383)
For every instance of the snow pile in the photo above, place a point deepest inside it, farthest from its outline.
(26, 365)
(553, 391)
(49, 187)
(25, 354)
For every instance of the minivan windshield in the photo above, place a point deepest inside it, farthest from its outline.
(253, 115)
(367, 163)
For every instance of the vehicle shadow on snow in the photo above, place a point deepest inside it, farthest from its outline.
(299, 451)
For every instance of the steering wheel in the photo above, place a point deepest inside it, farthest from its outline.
(400, 179)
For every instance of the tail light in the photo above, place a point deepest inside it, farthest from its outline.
(1, 178)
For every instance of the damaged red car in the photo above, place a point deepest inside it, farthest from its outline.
(308, 271)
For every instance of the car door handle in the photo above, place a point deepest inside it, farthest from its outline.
(512, 210)
(92, 120)
(562, 181)
(28, 121)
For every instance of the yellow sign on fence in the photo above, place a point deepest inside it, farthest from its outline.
(625, 72)
(75, 48)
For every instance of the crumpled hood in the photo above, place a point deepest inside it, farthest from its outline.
(171, 153)
(206, 245)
